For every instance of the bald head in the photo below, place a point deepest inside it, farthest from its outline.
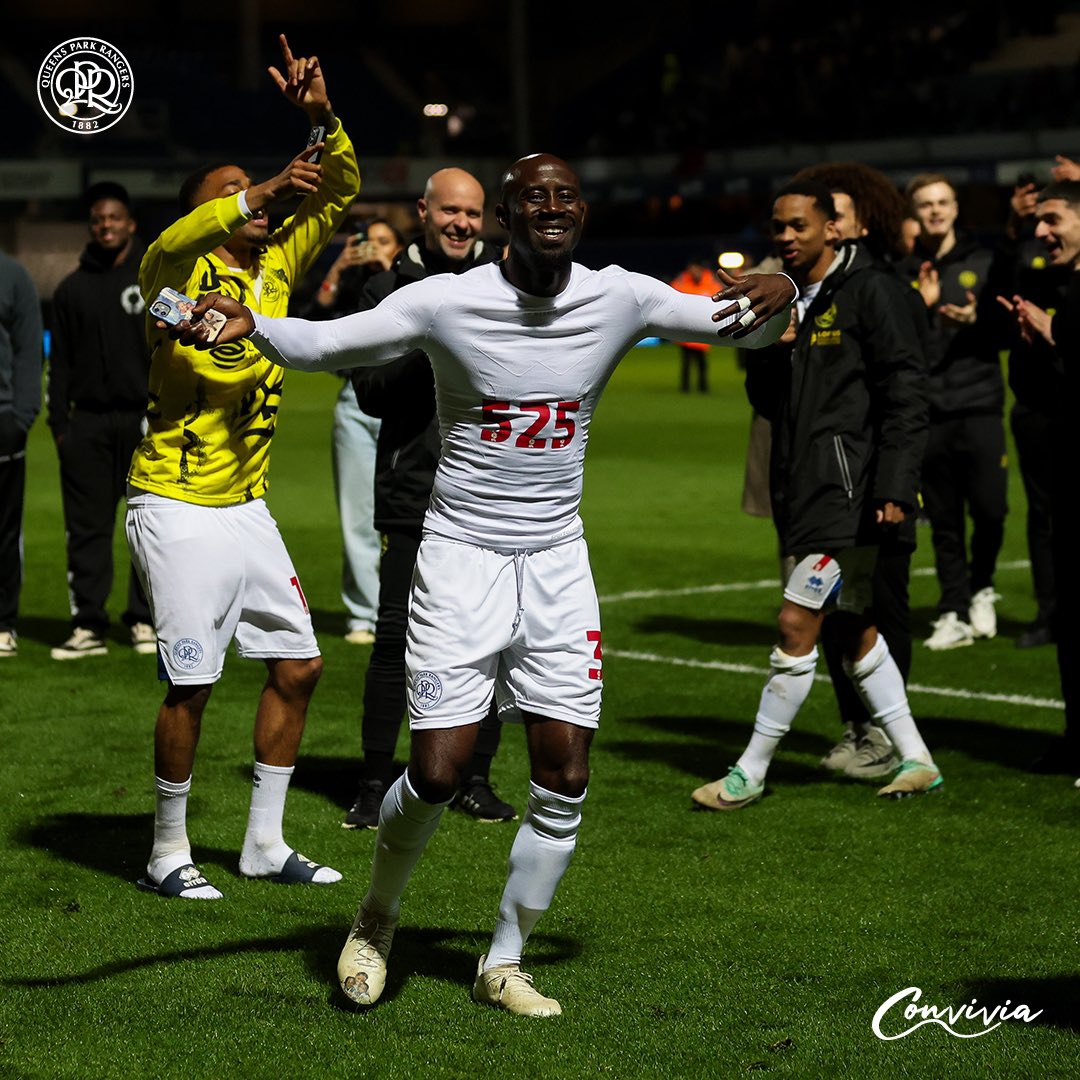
(452, 213)
(530, 169)
(543, 211)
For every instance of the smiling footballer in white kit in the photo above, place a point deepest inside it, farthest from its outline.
(521, 352)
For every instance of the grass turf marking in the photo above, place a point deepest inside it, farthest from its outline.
(914, 688)
(765, 583)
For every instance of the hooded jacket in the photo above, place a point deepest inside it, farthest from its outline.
(99, 360)
(847, 403)
(402, 393)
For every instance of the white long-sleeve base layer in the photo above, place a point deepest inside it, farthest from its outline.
(517, 379)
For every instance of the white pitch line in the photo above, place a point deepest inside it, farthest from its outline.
(915, 688)
(747, 586)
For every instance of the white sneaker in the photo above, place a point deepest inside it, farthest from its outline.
(949, 633)
(143, 638)
(875, 756)
(981, 614)
(361, 966)
(82, 643)
(508, 987)
(360, 637)
(9, 644)
(839, 757)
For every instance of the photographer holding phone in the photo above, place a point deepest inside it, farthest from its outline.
(204, 544)
(363, 254)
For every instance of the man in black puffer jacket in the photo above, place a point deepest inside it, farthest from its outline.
(845, 394)
(965, 465)
(402, 395)
(97, 399)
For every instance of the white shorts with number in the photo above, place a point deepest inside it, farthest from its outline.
(214, 573)
(844, 578)
(531, 620)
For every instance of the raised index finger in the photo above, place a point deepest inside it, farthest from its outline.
(285, 50)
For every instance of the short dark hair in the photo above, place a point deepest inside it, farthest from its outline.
(878, 203)
(192, 184)
(810, 189)
(917, 183)
(1068, 190)
(105, 189)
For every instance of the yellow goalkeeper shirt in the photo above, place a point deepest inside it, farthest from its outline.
(211, 415)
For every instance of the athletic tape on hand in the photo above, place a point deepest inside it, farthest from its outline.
(747, 319)
(743, 302)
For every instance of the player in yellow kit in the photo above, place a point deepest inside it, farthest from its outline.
(210, 555)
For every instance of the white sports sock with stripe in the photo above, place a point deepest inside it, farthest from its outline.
(789, 683)
(881, 687)
(539, 857)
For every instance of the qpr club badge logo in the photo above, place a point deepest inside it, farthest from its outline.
(427, 688)
(85, 85)
(187, 653)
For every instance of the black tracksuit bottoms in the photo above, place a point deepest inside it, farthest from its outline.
(95, 455)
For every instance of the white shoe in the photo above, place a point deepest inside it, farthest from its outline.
(981, 614)
(143, 638)
(949, 633)
(83, 642)
(360, 637)
(874, 757)
(839, 757)
(9, 644)
(361, 966)
(508, 987)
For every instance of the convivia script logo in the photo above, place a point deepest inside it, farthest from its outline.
(85, 85)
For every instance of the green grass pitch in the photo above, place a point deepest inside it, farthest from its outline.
(681, 944)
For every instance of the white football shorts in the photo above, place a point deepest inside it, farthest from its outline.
(212, 573)
(529, 619)
(844, 578)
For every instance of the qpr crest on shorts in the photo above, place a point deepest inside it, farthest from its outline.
(427, 688)
(187, 653)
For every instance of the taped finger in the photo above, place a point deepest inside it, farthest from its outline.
(747, 319)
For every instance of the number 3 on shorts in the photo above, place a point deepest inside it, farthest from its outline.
(598, 671)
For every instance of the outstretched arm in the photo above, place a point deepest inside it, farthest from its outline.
(680, 316)
(368, 337)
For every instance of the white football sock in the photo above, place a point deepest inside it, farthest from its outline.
(406, 824)
(265, 852)
(881, 687)
(789, 682)
(539, 857)
(171, 848)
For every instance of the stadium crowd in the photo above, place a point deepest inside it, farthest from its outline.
(901, 338)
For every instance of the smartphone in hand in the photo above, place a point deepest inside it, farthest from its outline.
(173, 307)
(316, 135)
